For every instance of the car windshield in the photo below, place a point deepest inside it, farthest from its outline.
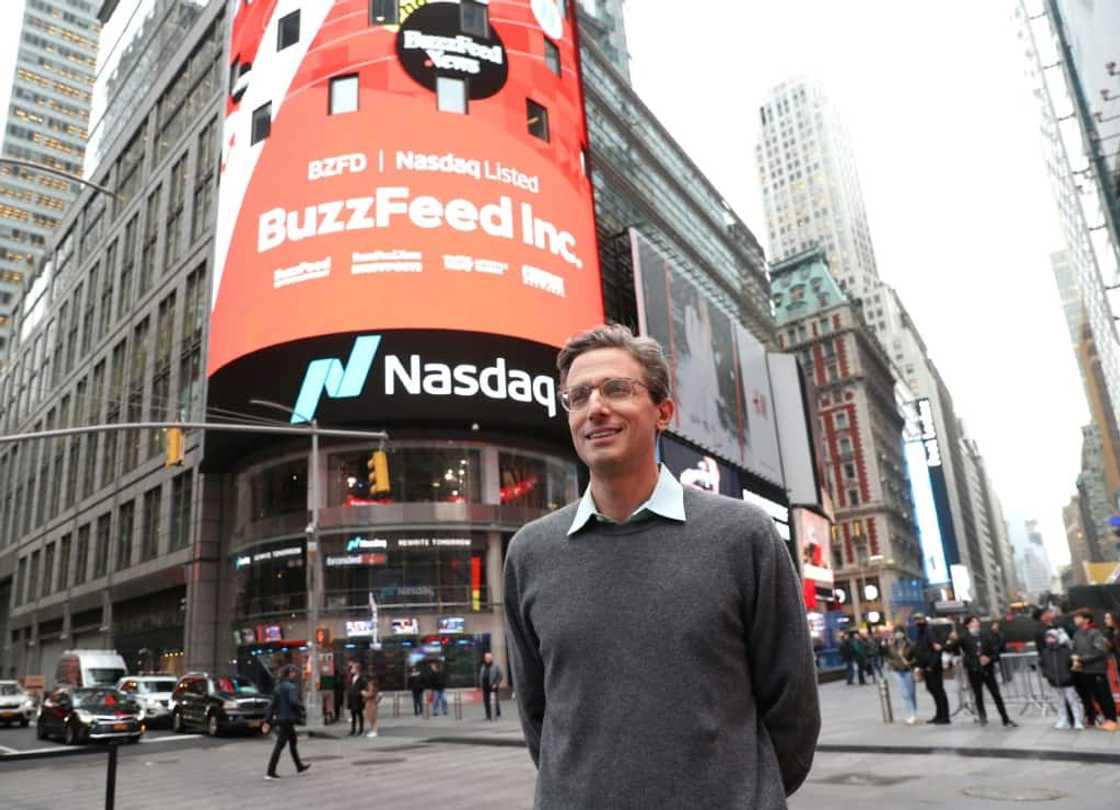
(99, 699)
(107, 677)
(152, 687)
(9, 689)
(235, 686)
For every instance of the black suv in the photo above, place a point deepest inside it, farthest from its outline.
(217, 704)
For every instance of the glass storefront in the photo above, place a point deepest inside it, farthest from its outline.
(448, 474)
(269, 579)
(279, 490)
(535, 482)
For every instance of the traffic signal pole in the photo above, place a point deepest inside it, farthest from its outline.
(314, 431)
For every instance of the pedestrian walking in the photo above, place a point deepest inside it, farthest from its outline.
(1090, 671)
(927, 655)
(859, 656)
(371, 697)
(848, 658)
(899, 652)
(356, 701)
(438, 682)
(1001, 648)
(283, 712)
(981, 651)
(490, 679)
(416, 686)
(873, 660)
(1055, 659)
(632, 694)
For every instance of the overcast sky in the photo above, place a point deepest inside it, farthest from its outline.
(946, 137)
(960, 210)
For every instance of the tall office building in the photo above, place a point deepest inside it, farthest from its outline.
(810, 186)
(1072, 66)
(1073, 518)
(1034, 563)
(48, 117)
(603, 22)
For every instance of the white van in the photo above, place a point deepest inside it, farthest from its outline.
(82, 668)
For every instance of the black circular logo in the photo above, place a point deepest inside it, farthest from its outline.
(432, 44)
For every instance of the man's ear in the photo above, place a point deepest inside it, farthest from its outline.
(665, 410)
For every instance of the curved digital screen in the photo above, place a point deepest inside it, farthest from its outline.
(422, 172)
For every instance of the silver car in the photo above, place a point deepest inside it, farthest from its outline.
(153, 694)
(16, 705)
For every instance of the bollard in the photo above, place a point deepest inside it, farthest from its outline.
(458, 705)
(111, 778)
(396, 705)
(428, 705)
(885, 701)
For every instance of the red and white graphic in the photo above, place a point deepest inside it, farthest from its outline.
(424, 174)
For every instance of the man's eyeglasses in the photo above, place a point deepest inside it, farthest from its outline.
(616, 389)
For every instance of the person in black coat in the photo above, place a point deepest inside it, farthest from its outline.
(927, 655)
(355, 701)
(283, 713)
(981, 652)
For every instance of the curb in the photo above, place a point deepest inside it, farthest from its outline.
(1094, 757)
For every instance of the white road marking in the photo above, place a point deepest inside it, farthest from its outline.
(42, 750)
(177, 738)
(6, 750)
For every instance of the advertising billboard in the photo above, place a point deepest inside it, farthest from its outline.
(927, 486)
(814, 542)
(399, 167)
(720, 380)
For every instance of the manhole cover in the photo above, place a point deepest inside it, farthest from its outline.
(997, 793)
(864, 780)
(321, 757)
(380, 761)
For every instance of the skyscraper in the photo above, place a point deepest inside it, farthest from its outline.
(810, 186)
(603, 22)
(48, 116)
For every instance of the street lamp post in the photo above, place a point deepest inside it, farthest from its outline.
(312, 570)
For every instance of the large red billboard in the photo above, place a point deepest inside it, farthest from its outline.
(402, 165)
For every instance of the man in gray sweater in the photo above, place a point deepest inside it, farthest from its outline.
(658, 643)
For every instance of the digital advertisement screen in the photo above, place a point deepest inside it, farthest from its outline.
(423, 171)
(720, 379)
(814, 540)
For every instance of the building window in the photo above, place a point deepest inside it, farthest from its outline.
(344, 94)
(64, 563)
(384, 12)
(81, 568)
(853, 498)
(101, 552)
(150, 541)
(181, 491)
(262, 123)
(451, 95)
(48, 569)
(474, 18)
(125, 521)
(288, 32)
(841, 421)
(537, 118)
(552, 56)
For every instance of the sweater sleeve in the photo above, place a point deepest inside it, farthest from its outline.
(525, 663)
(781, 662)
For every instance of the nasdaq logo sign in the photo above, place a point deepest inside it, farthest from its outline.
(328, 376)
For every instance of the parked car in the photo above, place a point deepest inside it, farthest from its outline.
(16, 705)
(88, 668)
(217, 704)
(153, 694)
(85, 715)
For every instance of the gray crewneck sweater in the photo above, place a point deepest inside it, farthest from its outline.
(660, 664)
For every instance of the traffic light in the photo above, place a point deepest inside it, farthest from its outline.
(378, 466)
(173, 446)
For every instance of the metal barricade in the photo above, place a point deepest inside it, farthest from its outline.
(1021, 686)
(458, 705)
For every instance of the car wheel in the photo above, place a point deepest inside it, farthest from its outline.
(25, 722)
(40, 730)
(134, 739)
(177, 722)
(212, 726)
(71, 735)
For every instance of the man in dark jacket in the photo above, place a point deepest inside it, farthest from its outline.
(981, 651)
(490, 679)
(283, 713)
(1090, 670)
(927, 655)
(354, 700)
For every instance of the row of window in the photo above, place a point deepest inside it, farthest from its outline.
(37, 576)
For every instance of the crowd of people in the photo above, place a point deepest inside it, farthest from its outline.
(1072, 659)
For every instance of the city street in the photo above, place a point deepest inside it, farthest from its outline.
(473, 764)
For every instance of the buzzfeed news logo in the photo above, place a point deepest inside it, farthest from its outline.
(414, 377)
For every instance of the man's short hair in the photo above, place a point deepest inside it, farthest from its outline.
(1084, 613)
(645, 350)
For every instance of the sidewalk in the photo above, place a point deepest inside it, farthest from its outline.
(851, 721)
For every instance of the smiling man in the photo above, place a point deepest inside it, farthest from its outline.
(658, 643)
